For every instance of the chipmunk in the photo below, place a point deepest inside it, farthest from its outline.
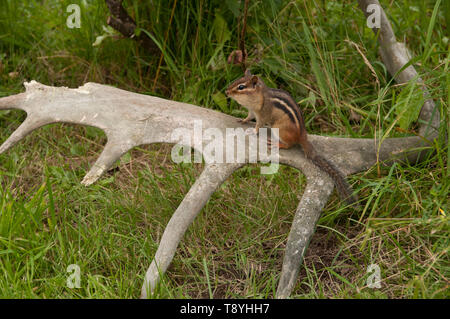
(278, 109)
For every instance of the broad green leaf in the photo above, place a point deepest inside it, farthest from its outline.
(408, 104)
(221, 100)
(234, 7)
(221, 30)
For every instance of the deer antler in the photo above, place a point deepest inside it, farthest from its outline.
(131, 119)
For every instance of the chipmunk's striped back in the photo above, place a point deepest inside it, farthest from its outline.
(284, 101)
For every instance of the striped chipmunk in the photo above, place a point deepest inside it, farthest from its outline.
(277, 109)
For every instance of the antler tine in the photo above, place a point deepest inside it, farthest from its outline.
(210, 179)
(318, 190)
(112, 152)
(395, 55)
(13, 102)
(30, 124)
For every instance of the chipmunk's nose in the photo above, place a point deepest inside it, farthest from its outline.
(227, 91)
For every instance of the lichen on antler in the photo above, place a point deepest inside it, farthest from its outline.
(131, 119)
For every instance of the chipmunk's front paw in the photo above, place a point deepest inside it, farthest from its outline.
(243, 121)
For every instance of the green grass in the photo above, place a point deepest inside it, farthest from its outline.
(235, 247)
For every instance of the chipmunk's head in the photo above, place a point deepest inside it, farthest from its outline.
(247, 91)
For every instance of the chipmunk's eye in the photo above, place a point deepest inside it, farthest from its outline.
(241, 87)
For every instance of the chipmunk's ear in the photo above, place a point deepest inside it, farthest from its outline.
(254, 80)
(247, 72)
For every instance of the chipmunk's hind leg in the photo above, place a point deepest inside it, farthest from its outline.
(288, 135)
(284, 140)
(280, 144)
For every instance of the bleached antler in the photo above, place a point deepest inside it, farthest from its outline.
(131, 119)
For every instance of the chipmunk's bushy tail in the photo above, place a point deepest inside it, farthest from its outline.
(344, 189)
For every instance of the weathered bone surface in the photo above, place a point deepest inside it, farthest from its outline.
(131, 119)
